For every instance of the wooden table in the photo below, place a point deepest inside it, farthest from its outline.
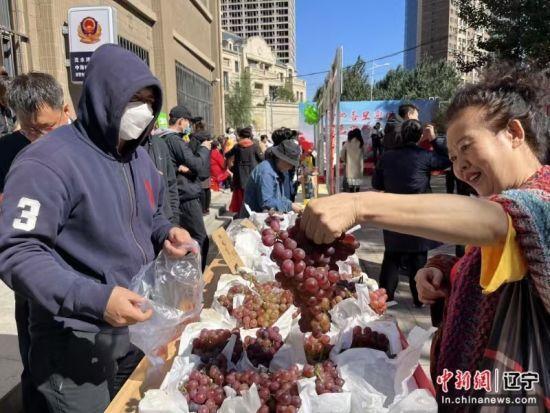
(128, 398)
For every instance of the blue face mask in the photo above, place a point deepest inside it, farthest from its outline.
(187, 130)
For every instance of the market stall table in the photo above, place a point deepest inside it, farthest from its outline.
(141, 380)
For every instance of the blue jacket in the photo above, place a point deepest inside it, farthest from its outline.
(77, 218)
(265, 189)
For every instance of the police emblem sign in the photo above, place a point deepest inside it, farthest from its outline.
(89, 28)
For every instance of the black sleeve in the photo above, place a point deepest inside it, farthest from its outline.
(172, 185)
(231, 153)
(438, 162)
(440, 146)
(181, 154)
(378, 175)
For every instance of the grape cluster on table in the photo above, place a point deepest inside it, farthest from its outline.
(278, 390)
(261, 307)
(317, 349)
(262, 348)
(308, 278)
(366, 337)
(210, 343)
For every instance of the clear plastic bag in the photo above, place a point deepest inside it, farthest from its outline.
(173, 289)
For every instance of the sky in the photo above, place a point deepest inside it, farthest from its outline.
(369, 28)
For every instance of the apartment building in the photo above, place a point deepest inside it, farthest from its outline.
(436, 25)
(267, 74)
(275, 21)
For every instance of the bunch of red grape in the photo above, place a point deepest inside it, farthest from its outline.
(210, 343)
(262, 348)
(342, 290)
(308, 270)
(366, 337)
(378, 300)
(204, 390)
(260, 308)
(317, 349)
(327, 379)
(279, 391)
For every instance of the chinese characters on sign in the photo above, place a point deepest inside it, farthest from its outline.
(79, 63)
(89, 28)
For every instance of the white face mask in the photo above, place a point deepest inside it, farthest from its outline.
(136, 117)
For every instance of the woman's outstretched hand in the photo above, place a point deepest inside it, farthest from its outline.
(325, 219)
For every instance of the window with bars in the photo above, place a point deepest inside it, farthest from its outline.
(142, 53)
(195, 92)
(10, 41)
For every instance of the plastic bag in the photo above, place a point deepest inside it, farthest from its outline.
(161, 401)
(173, 289)
(357, 308)
(520, 338)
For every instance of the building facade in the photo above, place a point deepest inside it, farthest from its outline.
(179, 40)
(267, 75)
(275, 21)
(441, 32)
(412, 33)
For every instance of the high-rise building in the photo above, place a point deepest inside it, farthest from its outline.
(275, 21)
(442, 34)
(412, 33)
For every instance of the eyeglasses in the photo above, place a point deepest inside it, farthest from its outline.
(32, 131)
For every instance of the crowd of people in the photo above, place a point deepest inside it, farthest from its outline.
(86, 200)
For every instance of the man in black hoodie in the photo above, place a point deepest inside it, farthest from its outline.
(191, 168)
(81, 214)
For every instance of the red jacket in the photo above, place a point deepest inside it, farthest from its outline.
(218, 171)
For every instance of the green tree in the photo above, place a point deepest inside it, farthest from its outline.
(318, 93)
(518, 31)
(285, 93)
(355, 82)
(429, 79)
(238, 102)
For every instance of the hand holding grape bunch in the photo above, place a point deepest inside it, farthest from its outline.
(309, 270)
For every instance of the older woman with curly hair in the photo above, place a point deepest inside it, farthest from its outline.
(497, 297)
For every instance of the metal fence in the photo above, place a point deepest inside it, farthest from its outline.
(195, 92)
(142, 53)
